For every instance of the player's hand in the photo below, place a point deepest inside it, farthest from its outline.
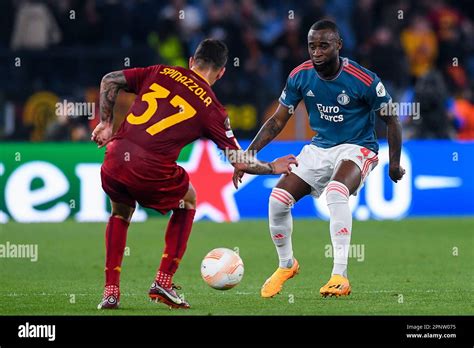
(282, 165)
(237, 177)
(102, 134)
(396, 173)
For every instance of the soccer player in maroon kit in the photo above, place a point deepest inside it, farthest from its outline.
(174, 107)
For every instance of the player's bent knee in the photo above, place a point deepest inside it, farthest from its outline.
(280, 201)
(348, 174)
(122, 211)
(190, 199)
(124, 215)
(337, 192)
(190, 204)
(127, 219)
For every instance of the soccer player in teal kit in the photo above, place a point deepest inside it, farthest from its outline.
(342, 99)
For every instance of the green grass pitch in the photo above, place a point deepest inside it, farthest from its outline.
(410, 267)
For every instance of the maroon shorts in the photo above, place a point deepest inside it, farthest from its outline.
(137, 181)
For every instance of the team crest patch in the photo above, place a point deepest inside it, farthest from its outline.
(343, 98)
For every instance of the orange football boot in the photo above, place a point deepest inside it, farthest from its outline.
(337, 286)
(274, 284)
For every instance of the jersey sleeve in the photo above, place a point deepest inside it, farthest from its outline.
(136, 76)
(291, 94)
(218, 129)
(377, 96)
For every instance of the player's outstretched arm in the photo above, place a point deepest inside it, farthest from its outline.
(394, 136)
(110, 86)
(267, 133)
(270, 129)
(246, 163)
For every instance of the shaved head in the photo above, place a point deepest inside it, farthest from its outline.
(326, 24)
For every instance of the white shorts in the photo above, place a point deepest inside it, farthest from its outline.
(316, 165)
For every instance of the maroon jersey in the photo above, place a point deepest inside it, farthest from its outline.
(174, 107)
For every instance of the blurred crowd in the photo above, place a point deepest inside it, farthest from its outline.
(56, 50)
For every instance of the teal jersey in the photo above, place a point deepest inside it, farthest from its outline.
(341, 110)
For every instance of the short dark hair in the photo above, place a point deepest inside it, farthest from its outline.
(326, 24)
(211, 53)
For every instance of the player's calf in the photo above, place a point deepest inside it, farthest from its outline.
(340, 226)
(281, 225)
(176, 238)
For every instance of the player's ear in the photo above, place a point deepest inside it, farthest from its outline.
(220, 73)
(339, 44)
(191, 62)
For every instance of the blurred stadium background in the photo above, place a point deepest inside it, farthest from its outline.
(59, 49)
(55, 52)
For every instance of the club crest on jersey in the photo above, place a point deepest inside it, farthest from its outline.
(343, 98)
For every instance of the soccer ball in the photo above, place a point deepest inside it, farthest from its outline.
(222, 269)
